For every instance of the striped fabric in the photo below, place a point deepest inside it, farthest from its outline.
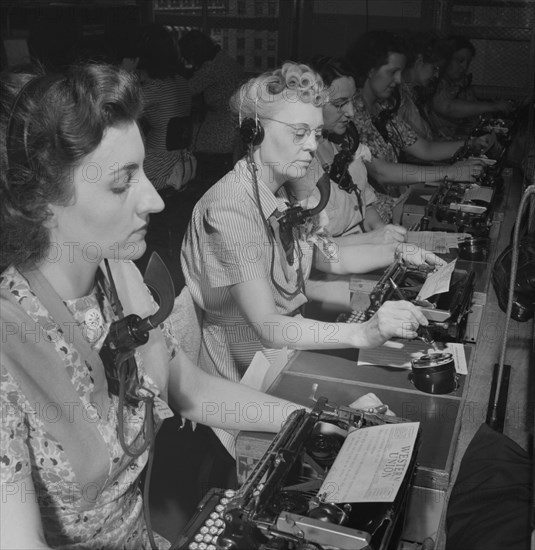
(164, 99)
(226, 244)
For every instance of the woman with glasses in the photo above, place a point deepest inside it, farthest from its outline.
(351, 215)
(378, 59)
(243, 268)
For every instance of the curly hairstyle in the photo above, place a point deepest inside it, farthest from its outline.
(424, 44)
(265, 94)
(55, 122)
(371, 51)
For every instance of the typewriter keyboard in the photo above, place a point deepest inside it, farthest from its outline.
(353, 317)
(212, 526)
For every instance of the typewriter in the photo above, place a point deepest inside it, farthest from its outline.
(447, 312)
(281, 506)
(460, 208)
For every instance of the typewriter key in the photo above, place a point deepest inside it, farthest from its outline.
(434, 373)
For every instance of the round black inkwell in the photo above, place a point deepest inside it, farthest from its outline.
(434, 373)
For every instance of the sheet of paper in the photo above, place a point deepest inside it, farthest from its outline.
(437, 282)
(262, 371)
(459, 357)
(398, 354)
(438, 242)
(277, 361)
(371, 464)
(256, 372)
(479, 193)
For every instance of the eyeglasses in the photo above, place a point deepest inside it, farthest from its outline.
(301, 131)
(341, 102)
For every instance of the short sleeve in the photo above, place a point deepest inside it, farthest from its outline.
(403, 135)
(232, 244)
(14, 451)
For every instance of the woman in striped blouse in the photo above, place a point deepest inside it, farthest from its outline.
(235, 261)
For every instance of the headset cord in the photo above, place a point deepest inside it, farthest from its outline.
(300, 285)
(148, 421)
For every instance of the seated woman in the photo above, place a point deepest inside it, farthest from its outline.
(74, 194)
(454, 107)
(351, 214)
(166, 116)
(423, 65)
(378, 59)
(245, 270)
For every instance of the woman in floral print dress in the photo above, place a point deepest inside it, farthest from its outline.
(74, 194)
(378, 58)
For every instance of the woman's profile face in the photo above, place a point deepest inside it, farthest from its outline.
(424, 71)
(459, 64)
(112, 201)
(340, 110)
(383, 81)
(290, 141)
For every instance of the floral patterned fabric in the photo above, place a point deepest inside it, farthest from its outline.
(400, 136)
(450, 127)
(115, 519)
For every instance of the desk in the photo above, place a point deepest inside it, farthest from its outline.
(448, 421)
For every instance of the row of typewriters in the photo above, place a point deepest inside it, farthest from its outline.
(284, 502)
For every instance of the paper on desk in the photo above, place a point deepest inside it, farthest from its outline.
(437, 282)
(371, 464)
(438, 242)
(459, 357)
(262, 371)
(256, 371)
(393, 354)
(479, 193)
(401, 354)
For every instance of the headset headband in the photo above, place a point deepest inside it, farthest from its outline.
(17, 130)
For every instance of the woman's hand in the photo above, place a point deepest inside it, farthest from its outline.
(389, 233)
(481, 144)
(466, 170)
(369, 402)
(399, 319)
(413, 255)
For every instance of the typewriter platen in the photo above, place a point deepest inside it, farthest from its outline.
(279, 507)
(460, 208)
(447, 312)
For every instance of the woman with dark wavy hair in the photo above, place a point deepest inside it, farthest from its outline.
(378, 59)
(75, 204)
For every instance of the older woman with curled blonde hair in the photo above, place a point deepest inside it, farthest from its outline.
(236, 262)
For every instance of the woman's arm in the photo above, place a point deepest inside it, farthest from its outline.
(392, 173)
(255, 301)
(433, 150)
(447, 106)
(369, 257)
(220, 403)
(20, 519)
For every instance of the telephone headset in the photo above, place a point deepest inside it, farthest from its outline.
(126, 333)
(384, 120)
(252, 134)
